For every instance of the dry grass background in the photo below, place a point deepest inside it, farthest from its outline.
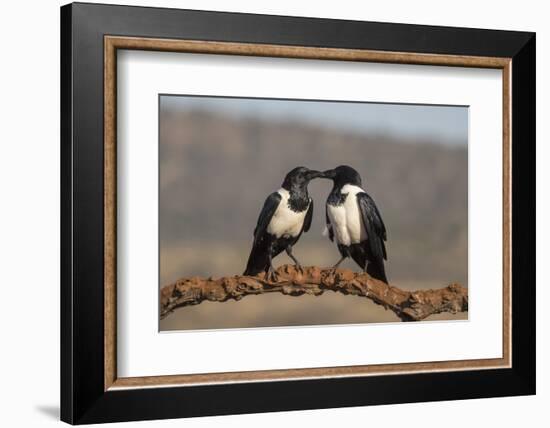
(216, 171)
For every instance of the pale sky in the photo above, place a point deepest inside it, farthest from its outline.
(446, 125)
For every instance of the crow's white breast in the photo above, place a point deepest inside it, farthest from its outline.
(286, 222)
(346, 220)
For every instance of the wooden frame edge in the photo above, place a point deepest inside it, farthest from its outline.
(301, 52)
(507, 213)
(299, 374)
(112, 43)
(109, 197)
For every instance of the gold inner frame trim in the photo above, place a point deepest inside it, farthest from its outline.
(113, 43)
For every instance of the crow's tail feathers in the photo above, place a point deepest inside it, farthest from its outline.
(358, 253)
(258, 261)
(377, 270)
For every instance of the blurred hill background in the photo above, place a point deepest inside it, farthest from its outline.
(217, 168)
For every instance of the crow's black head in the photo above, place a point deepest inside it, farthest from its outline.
(343, 175)
(300, 177)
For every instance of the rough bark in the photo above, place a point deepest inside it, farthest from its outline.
(407, 305)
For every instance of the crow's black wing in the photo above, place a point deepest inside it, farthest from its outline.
(374, 225)
(329, 225)
(309, 216)
(269, 208)
(258, 260)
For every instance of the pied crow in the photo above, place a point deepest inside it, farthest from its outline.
(354, 220)
(285, 215)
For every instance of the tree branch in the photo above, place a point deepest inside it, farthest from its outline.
(407, 305)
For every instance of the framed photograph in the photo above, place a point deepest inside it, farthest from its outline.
(265, 213)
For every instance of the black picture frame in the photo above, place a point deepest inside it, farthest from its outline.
(83, 398)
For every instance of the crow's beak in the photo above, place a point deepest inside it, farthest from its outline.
(329, 173)
(314, 174)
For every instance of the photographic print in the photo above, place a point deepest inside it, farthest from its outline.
(277, 212)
